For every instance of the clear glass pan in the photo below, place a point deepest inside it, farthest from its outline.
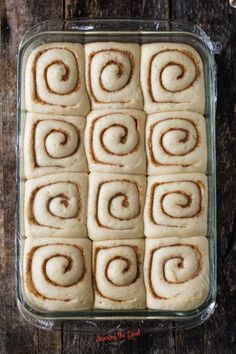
(137, 31)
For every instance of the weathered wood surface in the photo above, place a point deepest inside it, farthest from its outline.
(217, 335)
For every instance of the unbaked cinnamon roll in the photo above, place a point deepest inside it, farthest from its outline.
(176, 143)
(112, 75)
(176, 273)
(114, 141)
(118, 274)
(176, 205)
(54, 80)
(56, 205)
(115, 206)
(172, 78)
(53, 143)
(57, 274)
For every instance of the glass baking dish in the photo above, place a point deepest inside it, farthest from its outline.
(137, 31)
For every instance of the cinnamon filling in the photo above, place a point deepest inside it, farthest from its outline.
(29, 278)
(35, 94)
(125, 205)
(183, 71)
(150, 265)
(150, 144)
(64, 142)
(96, 251)
(30, 213)
(187, 196)
(120, 72)
(123, 140)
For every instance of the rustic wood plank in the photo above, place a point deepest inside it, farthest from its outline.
(163, 342)
(16, 335)
(117, 8)
(2, 258)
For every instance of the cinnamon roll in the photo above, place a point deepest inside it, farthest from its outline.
(118, 274)
(176, 205)
(115, 206)
(56, 205)
(114, 141)
(57, 274)
(176, 143)
(172, 78)
(54, 80)
(53, 143)
(112, 75)
(176, 273)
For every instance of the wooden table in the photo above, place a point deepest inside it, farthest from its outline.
(217, 335)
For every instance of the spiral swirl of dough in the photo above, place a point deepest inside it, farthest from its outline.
(116, 271)
(55, 80)
(172, 78)
(118, 204)
(176, 142)
(112, 75)
(57, 77)
(173, 265)
(173, 71)
(175, 203)
(110, 72)
(56, 140)
(54, 270)
(56, 205)
(53, 143)
(176, 272)
(113, 137)
(173, 142)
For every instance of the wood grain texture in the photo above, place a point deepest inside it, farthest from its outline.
(217, 335)
(117, 8)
